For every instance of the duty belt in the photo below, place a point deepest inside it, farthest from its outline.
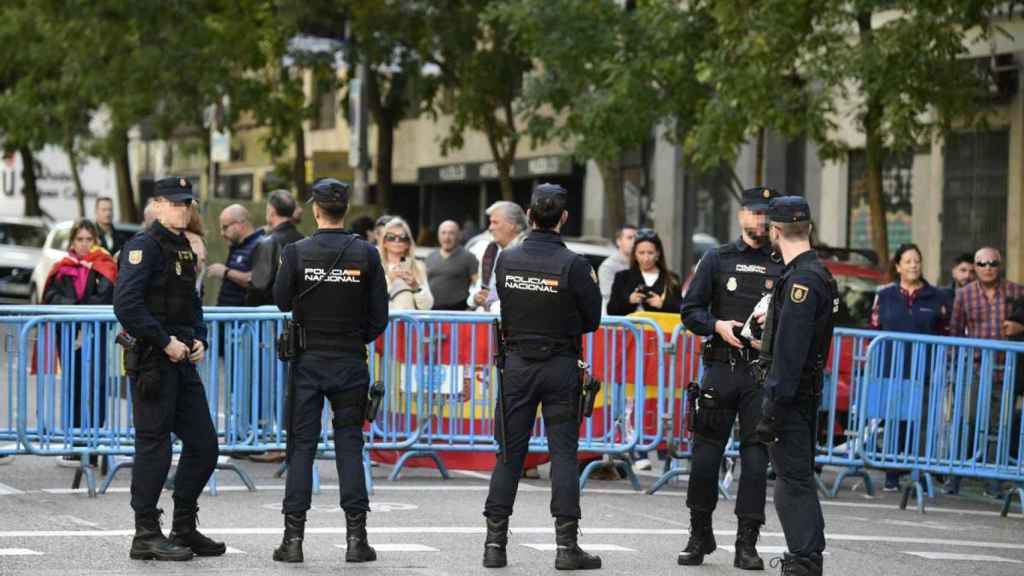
(550, 347)
(728, 354)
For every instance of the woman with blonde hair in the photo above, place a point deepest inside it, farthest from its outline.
(406, 277)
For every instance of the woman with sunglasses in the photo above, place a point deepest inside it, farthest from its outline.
(909, 304)
(647, 284)
(407, 278)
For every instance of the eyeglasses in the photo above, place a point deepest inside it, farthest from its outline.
(224, 227)
(645, 234)
(396, 238)
(987, 264)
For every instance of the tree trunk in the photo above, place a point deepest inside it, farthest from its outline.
(874, 152)
(299, 164)
(28, 176)
(122, 169)
(759, 158)
(69, 147)
(505, 178)
(615, 201)
(385, 153)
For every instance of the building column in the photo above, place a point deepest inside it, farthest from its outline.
(1014, 256)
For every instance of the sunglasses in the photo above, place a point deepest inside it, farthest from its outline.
(645, 234)
(396, 238)
(987, 264)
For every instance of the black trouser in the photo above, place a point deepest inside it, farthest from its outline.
(738, 393)
(555, 385)
(345, 381)
(183, 410)
(796, 492)
(92, 386)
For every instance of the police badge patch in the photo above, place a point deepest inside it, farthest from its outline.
(798, 293)
(177, 268)
(731, 284)
(135, 256)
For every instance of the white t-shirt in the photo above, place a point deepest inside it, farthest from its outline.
(650, 277)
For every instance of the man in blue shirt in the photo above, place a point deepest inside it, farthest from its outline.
(236, 272)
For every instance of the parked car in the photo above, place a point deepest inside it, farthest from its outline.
(21, 246)
(54, 248)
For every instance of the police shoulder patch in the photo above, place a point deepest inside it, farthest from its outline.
(135, 256)
(798, 293)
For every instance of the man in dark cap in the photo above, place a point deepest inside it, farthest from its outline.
(334, 286)
(728, 283)
(794, 348)
(550, 298)
(156, 301)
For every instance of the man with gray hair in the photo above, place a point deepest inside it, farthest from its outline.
(508, 228)
(267, 255)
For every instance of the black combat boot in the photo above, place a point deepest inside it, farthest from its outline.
(184, 533)
(359, 550)
(149, 542)
(569, 555)
(497, 540)
(702, 540)
(793, 565)
(290, 549)
(746, 541)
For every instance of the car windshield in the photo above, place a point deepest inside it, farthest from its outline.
(856, 297)
(25, 235)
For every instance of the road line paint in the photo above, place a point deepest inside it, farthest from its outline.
(78, 521)
(397, 547)
(6, 490)
(965, 557)
(473, 474)
(764, 549)
(231, 550)
(19, 552)
(588, 547)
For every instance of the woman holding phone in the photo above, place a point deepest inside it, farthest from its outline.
(407, 278)
(647, 284)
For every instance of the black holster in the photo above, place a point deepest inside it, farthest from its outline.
(375, 399)
(589, 387)
(291, 342)
(132, 354)
(692, 392)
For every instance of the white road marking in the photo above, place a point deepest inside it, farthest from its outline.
(397, 547)
(588, 547)
(19, 552)
(472, 474)
(78, 521)
(964, 557)
(6, 490)
(541, 530)
(231, 550)
(764, 549)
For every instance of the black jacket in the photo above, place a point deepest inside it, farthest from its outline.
(626, 282)
(98, 290)
(265, 259)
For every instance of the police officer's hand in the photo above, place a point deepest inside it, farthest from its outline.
(724, 330)
(766, 431)
(481, 296)
(198, 351)
(217, 270)
(176, 350)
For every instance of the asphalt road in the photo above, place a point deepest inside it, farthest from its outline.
(424, 525)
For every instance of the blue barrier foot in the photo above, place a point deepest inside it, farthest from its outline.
(118, 464)
(281, 470)
(242, 474)
(87, 471)
(414, 453)
(724, 491)
(590, 467)
(665, 478)
(368, 472)
(822, 487)
(918, 489)
(849, 471)
(1017, 491)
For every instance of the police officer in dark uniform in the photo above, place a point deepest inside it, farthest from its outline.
(796, 341)
(156, 301)
(334, 285)
(727, 285)
(549, 299)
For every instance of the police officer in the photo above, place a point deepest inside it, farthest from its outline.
(550, 298)
(334, 285)
(797, 337)
(727, 285)
(156, 301)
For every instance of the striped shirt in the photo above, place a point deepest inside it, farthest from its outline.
(976, 316)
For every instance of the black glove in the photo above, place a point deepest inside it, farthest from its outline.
(765, 431)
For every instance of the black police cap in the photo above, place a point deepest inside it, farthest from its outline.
(789, 209)
(758, 198)
(329, 190)
(174, 188)
(549, 193)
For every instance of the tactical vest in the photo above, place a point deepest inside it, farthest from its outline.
(535, 298)
(170, 295)
(811, 374)
(743, 278)
(331, 313)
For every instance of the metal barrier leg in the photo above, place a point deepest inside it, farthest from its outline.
(852, 471)
(929, 482)
(281, 470)
(1017, 491)
(316, 478)
(665, 478)
(630, 475)
(723, 491)
(822, 487)
(87, 471)
(367, 471)
(414, 453)
(918, 488)
(243, 475)
(118, 464)
(590, 467)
